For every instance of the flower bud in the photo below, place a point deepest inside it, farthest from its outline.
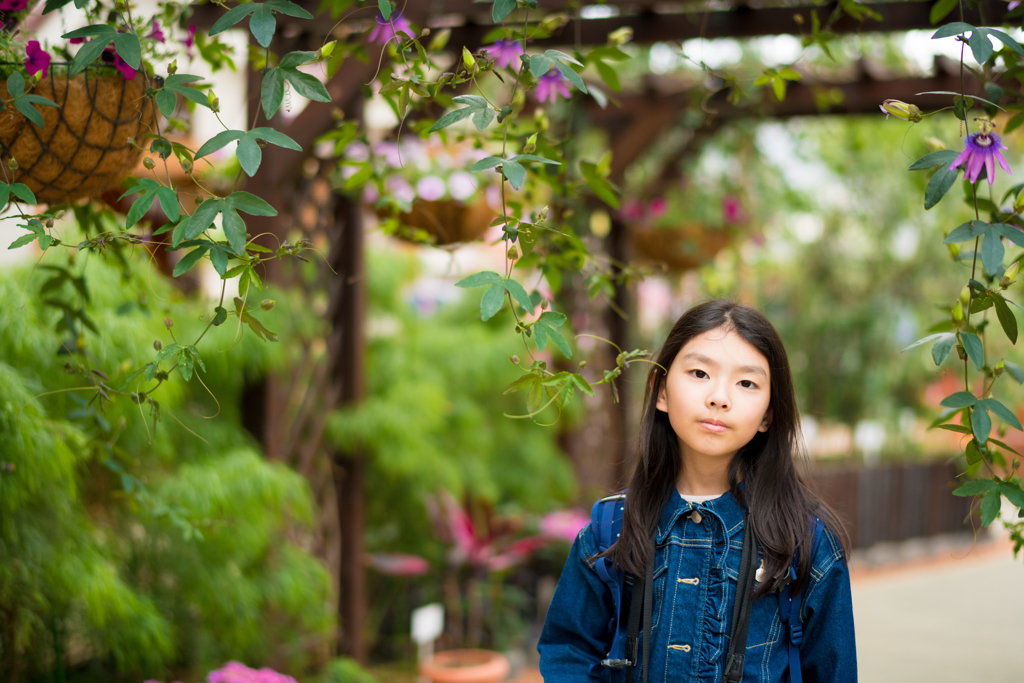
(168, 323)
(121, 6)
(267, 304)
(901, 110)
(513, 254)
(583, 364)
(543, 304)
(934, 144)
(172, 68)
(148, 163)
(214, 102)
(157, 345)
(958, 312)
(1010, 275)
(1000, 367)
(186, 164)
(12, 164)
(514, 358)
(531, 145)
(620, 36)
(467, 58)
(542, 215)
(49, 223)
(327, 50)
(199, 200)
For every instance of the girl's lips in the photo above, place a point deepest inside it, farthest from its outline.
(712, 427)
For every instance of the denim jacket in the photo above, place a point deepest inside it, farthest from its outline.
(695, 573)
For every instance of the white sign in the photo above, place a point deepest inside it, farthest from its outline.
(427, 623)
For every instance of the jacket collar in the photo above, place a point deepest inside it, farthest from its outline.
(725, 507)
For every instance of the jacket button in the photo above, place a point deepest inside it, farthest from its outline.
(695, 516)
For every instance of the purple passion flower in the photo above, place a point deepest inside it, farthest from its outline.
(982, 150)
(551, 85)
(388, 30)
(38, 59)
(504, 52)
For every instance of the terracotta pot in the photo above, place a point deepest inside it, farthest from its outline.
(446, 221)
(680, 249)
(466, 666)
(83, 148)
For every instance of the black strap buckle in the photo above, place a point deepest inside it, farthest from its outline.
(616, 663)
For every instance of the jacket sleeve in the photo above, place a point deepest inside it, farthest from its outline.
(828, 653)
(576, 634)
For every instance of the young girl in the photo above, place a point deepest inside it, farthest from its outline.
(717, 440)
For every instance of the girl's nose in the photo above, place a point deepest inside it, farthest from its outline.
(718, 399)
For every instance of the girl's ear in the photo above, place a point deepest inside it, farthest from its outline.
(662, 403)
(766, 422)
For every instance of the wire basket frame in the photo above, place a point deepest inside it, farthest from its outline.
(83, 149)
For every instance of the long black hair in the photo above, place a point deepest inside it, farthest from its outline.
(779, 503)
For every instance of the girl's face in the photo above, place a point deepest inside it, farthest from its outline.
(716, 394)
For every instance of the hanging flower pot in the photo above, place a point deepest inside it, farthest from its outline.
(444, 221)
(85, 145)
(679, 249)
(466, 666)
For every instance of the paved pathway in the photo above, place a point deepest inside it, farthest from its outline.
(955, 620)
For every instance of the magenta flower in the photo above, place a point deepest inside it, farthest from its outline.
(632, 210)
(13, 5)
(156, 34)
(190, 41)
(77, 41)
(564, 524)
(38, 59)
(110, 56)
(388, 30)
(551, 85)
(732, 209)
(657, 207)
(504, 51)
(982, 150)
(234, 672)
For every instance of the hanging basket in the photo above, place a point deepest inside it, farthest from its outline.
(445, 221)
(83, 149)
(679, 249)
(466, 666)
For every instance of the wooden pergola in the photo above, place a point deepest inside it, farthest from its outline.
(647, 112)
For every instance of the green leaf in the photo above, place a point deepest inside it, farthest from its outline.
(1012, 492)
(960, 429)
(539, 65)
(202, 218)
(249, 154)
(128, 48)
(608, 75)
(992, 252)
(16, 84)
(1001, 411)
(974, 457)
(450, 118)
(218, 141)
(1016, 372)
(981, 46)
(501, 9)
(975, 349)
(925, 340)
(981, 424)
(966, 231)
(219, 258)
(249, 203)
(485, 163)
(1006, 40)
(491, 301)
(961, 399)
(482, 118)
(23, 240)
(941, 9)
(599, 185)
(232, 17)
(486, 277)
(272, 92)
(385, 9)
(189, 260)
(1006, 318)
(938, 186)
(515, 172)
(307, 85)
(221, 315)
(544, 329)
(234, 230)
(990, 505)
(169, 203)
(954, 28)
(88, 53)
(974, 487)
(289, 8)
(519, 294)
(779, 88)
(263, 25)
(571, 75)
(942, 348)
(185, 364)
(23, 193)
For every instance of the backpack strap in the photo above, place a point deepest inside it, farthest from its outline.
(606, 523)
(789, 609)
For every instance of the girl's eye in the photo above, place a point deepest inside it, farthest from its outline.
(699, 374)
(747, 384)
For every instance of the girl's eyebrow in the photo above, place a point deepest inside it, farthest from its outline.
(701, 358)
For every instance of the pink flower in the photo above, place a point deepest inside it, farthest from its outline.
(564, 524)
(388, 30)
(732, 210)
(110, 56)
(235, 672)
(632, 210)
(982, 150)
(77, 41)
(38, 59)
(190, 41)
(551, 85)
(13, 5)
(504, 51)
(156, 34)
(657, 207)
(398, 564)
